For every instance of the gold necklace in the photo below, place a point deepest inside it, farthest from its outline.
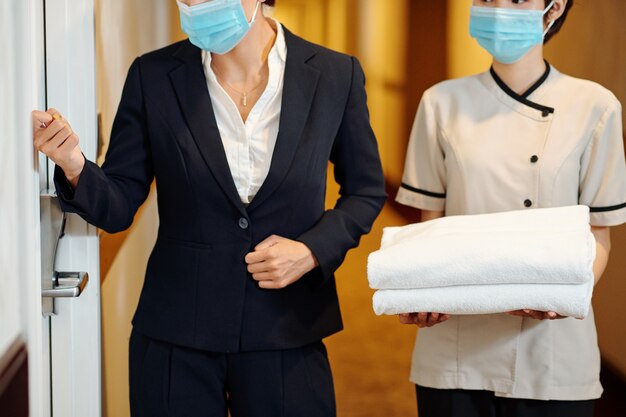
(243, 94)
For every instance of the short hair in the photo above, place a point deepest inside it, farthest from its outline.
(270, 3)
(559, 22)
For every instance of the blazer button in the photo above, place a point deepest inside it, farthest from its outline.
(528, 203)
(534, 159)
(243, 223)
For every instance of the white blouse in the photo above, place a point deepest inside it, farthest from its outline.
(477, 147)
(249, 146)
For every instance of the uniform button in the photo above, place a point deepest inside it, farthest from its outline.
(534, 159)
(243, 223)
(528, 203)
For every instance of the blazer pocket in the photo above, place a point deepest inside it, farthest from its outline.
(170, 291)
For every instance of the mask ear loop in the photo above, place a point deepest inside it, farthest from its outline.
(258, 3)
(545, 32)
(552, 22)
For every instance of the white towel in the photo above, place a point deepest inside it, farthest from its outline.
(571, 300)
(538, 259)
(540, 246)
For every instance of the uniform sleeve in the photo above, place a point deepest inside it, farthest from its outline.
(424, 179)
(603, 171)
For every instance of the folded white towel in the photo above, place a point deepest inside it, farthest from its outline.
(571, 300)
(540, 246)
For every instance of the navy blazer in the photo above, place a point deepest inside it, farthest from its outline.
(197, 291)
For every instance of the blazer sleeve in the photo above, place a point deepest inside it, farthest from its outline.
(358, 172)
(109, 197)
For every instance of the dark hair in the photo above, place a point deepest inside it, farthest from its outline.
(559, 22)
(270, 2)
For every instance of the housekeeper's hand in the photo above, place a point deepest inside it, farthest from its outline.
(423, 319)
(54, 137)
(537, 315)
(278, 262)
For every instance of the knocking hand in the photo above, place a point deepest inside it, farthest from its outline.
(54, 137)
(278, 262)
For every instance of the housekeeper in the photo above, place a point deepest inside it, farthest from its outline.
(519, 136)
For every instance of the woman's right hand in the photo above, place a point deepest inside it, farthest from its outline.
(423, 319)
(54, 137)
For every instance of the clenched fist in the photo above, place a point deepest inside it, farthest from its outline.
(54, 137)
(278, 262)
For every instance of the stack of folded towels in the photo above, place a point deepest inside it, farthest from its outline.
(539, 259)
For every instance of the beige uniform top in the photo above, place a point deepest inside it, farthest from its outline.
(477, 147)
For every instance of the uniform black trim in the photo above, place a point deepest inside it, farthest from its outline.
(426, 193)
(539, 82)
(545, 110)
(605, 209)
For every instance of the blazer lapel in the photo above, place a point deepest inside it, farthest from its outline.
(193, 96)
(299, 88)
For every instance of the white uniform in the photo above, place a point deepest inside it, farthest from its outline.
(477, 147)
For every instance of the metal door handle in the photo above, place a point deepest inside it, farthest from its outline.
(67, 284)
(55, 284)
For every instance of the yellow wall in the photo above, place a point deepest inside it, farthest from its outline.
(383, 50)
(465, 56)
(592, 44)
(376, 32)
(306, 18)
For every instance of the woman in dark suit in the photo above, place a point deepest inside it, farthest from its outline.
(236, 125)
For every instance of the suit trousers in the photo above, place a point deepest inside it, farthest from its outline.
(467, 403)
(175, 381)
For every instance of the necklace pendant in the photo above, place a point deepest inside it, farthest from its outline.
(245, 100)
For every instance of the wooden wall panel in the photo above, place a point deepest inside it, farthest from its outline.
(14, 381)
(592, 44)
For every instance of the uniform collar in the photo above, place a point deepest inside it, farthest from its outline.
(531, 103)
(538, 83)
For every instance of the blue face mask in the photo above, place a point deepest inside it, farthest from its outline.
(508, 34)
(216, 25)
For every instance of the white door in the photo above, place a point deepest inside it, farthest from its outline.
(48, 60)
(74, 329)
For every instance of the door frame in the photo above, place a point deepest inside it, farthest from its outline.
(75, 335)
